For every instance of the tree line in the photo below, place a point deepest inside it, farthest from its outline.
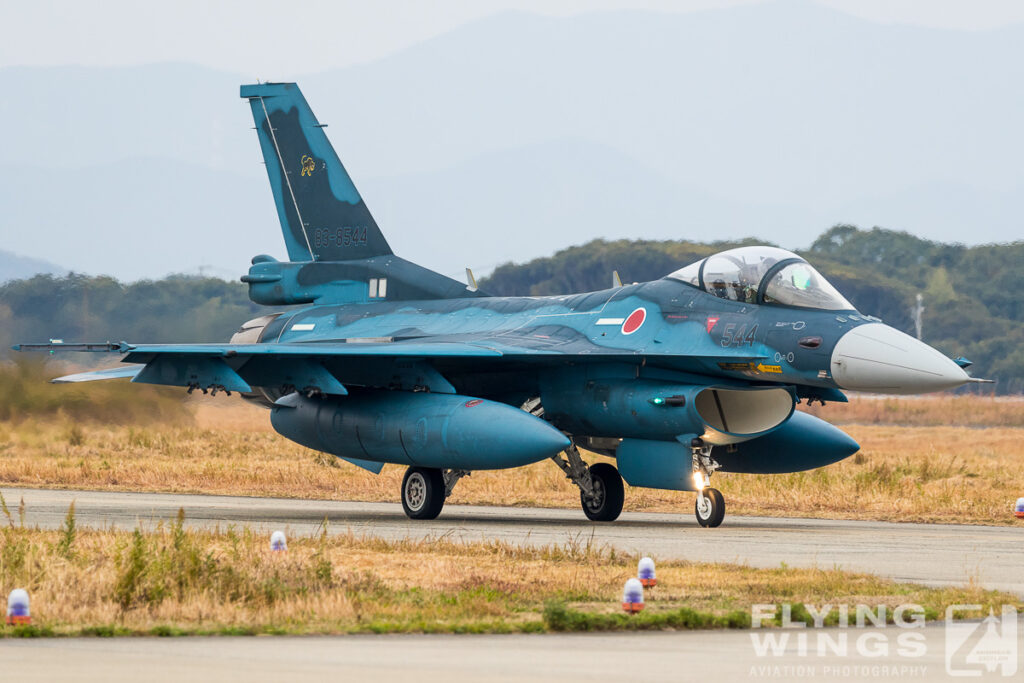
(973, 296)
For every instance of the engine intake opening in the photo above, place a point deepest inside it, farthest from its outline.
(743, 412)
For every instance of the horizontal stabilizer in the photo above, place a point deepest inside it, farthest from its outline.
(96, 375)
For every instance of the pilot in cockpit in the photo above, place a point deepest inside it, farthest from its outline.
(763, 275)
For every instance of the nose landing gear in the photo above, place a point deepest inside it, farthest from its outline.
(710, 505)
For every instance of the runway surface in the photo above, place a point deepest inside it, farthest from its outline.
(651, 657)
(931, 554)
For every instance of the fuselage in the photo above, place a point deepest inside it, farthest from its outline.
(665, 324)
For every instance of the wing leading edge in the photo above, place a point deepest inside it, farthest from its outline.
(326, 367)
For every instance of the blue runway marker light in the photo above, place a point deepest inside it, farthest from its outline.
(17, 608)
(645, 572)
(633, 596)
(278, 541)
(1018, 509)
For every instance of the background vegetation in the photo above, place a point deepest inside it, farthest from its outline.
(974, 296)
(949, 459)
(85, 308)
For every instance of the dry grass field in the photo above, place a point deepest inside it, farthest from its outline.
(169, 580)
(938, 458)
(943, 459)
(912, 472)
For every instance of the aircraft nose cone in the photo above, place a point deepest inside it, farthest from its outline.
(876, 357)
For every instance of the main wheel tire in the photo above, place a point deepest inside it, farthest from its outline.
(606, 505)
(710, 507)
(423, 492)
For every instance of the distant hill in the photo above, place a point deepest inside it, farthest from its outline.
(519, 134)
(141, 217)
(15, 267)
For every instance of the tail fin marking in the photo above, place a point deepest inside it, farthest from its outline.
(322, 215)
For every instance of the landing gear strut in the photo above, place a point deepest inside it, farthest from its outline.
(601, 492)
(451, 478)
(710, 505)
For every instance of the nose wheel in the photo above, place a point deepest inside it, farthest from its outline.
(710, 507)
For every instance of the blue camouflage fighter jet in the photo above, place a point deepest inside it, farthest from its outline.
(378, 360)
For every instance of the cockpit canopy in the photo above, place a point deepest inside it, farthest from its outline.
(767, 275)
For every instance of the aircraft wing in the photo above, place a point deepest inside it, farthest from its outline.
(327, 366)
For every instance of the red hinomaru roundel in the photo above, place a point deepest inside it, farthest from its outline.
(634, 321)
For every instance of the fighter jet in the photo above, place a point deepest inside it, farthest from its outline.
(378, 360)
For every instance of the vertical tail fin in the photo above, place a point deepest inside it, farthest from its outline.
(323, 218)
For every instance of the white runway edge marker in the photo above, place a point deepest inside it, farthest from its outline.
(645, 572)
(17, 607)
(278, 541)
(1018, 509)
(633, 596)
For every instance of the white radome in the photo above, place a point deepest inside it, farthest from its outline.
(879, 358)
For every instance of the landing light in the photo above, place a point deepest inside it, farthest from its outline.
(17, 607)
(645, 572)
(633, 596)
(700, 481)
(278, 542)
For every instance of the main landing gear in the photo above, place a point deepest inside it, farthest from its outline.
(601, 492)
(710, 505)
(424, 490)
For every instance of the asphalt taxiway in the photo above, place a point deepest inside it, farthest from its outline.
(871, 654)
(932, 554)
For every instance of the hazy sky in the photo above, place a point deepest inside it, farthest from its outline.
(260, 39)
(908, 129)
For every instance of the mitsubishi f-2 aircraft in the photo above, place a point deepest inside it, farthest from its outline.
(378, 360)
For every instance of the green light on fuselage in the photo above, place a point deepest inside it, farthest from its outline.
(658, 401)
